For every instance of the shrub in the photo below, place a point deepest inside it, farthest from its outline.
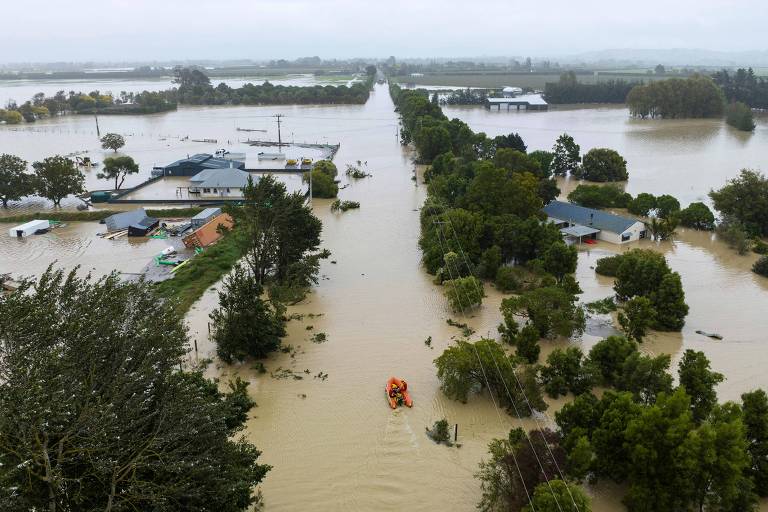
(697, 216)
(323, 185)
(761, 266)
(608, 266)
(464, 292)
(507, 279)
(739, 116)
(642, 204)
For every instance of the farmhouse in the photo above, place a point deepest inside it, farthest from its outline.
(219, 183)
(578, 224)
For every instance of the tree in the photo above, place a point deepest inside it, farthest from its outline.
(56, 177)
(645, 377)
(244, 325)
(566, 372)
(544, 159)
(463, 293)
(745, 199)
(134, 432)
(755, 413)
(326, 167)
(697, 216)
(118, 168)
(608, 356)
(15, 183)
(699, 382)
(739, 116)
(567, 155)
(516, 160)
(551, 310)
(600, 196)
(602, 164)
(511, 141)
(666, 206)
(659, 69)
(558, 496)
(113, 141)
(278, 233)
(527, 344)
(637, 317)
(560, 259)
(642, 204)
(517, 465)
(323, 185)
(472, 366)
(669, 303)
(431, 141)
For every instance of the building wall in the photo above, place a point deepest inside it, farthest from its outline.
(226, 193)
(615, 238)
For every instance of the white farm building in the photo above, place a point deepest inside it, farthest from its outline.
(578, 223)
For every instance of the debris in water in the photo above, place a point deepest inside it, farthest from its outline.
(319, 337)
(428, 342)
(439, 433)
(710, 335)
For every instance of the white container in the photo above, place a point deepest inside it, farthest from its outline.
(30, 228)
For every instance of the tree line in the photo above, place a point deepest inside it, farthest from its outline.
(195, 88)
(743, 86)
(569, 90)
(693, 97)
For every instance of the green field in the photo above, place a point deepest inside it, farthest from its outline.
(532, 80)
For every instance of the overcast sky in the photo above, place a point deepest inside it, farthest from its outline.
(122, 30)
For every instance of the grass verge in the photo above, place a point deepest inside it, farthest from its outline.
(98, 215)
(206, 269)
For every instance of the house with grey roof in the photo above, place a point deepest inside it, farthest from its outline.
(578, 223)
(219, 183)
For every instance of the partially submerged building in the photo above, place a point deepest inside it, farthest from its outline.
(194, 164)
(219, 183)
(208, 233)
(578, 223)
(137, 222)
(525, 101)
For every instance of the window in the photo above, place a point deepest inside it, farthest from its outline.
(625, 236)
(642, 234)
(215, 191)
(227, 191)
(206, 191)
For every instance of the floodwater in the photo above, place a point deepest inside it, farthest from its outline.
(334, 443)
(682, 157)
(23, 90)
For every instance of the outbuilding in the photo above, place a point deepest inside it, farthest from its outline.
(204, 217)
(194, 164)
(125, 220)
(578, 223)
(29, 228)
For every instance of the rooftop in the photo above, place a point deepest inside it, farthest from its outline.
(222, 178)
(206, 160)
(529, 99)
(575, 214)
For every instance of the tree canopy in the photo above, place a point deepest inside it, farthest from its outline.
(113, 141)
(134, 432)
(117, 168)
(745, 199)
(15, 182)
(602, 164)
(56, 177)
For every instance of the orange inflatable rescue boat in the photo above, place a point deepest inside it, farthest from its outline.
(397, 393)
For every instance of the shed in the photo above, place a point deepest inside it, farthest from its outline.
(191, 166)
(143, 227)
(209, 232)
(120, 221)
(29, 228)
(204, 217)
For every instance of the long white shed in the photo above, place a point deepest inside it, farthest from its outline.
(29, 228)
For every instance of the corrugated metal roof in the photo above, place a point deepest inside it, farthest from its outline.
(530, 99)
(223, 178)
(599, 219)
(206, 161)
(122, 220)
(579, 231)
(208, 212)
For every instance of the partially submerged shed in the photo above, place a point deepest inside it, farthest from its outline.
(204, 217)
(29, 228)
(209, 232)
(136, 219)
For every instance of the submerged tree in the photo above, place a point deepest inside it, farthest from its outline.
(117, 168)
(97, 415)
(244, 325)
(113, 141)
(15, 183)
(56, 177)
(567, 155)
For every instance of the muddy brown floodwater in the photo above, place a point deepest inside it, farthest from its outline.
(334, 443)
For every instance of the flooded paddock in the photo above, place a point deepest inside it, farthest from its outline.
(334, 443)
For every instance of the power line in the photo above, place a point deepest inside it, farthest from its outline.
(482, 369)
(522, 391)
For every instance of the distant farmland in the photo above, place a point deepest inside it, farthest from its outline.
(493, 80)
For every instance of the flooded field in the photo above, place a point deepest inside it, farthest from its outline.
(23, 90)
(334, 443)
(682, 157)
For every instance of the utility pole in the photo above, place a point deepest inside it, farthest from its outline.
(96, 115)
(279, 138)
